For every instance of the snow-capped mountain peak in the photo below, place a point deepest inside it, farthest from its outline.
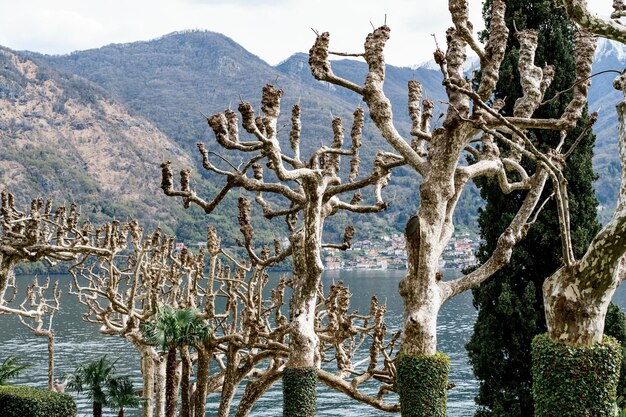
(607, 48)
(472, 63)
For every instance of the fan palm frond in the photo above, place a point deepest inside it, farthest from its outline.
(11, 369)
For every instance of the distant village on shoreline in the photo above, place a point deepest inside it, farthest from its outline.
(389, 252)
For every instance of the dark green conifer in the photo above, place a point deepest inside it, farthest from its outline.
(510, 303)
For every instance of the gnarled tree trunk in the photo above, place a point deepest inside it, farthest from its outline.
(300, 375)
(160, 387)
(147, 371)
(575, 309)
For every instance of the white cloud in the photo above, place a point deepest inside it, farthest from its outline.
(272, 29)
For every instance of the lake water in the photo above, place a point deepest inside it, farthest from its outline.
(78, 342)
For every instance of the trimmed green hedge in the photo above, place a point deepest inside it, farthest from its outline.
(299, 392)
(575, 381)
(422, 384)
(32, 402)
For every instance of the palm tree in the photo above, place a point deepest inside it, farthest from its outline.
(121, 394)
(92, 378)
(10, 369)
(171, 329)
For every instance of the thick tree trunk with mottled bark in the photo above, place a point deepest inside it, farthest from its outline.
(147, 371)
(430, 231)
(307, 272)
(426, 236)
(422, 299)
(575, 311)
(304, 357)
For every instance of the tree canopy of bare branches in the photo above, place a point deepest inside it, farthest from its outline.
(249, 345)
(311, 189)
(473, 123)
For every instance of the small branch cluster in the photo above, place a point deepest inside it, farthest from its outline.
(324, 163)
(53, 236)
(343, 335)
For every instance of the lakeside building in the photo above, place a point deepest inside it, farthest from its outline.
(389, 252)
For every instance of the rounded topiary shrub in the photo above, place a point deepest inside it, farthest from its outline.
(32, 402)
(575, 381)
(299, 392)
(422, 384)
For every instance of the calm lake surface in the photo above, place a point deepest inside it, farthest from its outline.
(78, 342)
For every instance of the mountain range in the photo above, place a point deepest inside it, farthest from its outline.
(95, 124)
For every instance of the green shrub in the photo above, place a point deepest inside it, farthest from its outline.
(575, 381)
(615, 326)
(422, 384)
(299, 392)
(32, 402)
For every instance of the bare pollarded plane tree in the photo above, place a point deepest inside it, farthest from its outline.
(248, 349)
(44, 300)
(39, 305)
(474, 125)
(39, 234)
(311, 189)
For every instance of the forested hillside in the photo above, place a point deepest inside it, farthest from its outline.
(65, 138)
(171, 82)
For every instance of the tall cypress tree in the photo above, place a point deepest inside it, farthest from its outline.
(510, 303)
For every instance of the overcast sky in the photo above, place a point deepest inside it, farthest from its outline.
(271, 29)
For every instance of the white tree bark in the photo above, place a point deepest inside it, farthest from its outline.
(307, 274)
(6, 270)
(577, 296)
(160, 387)
(147, 371)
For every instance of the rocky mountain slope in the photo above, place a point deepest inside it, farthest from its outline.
(170, 80)
(603, 98)
(63, 137)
